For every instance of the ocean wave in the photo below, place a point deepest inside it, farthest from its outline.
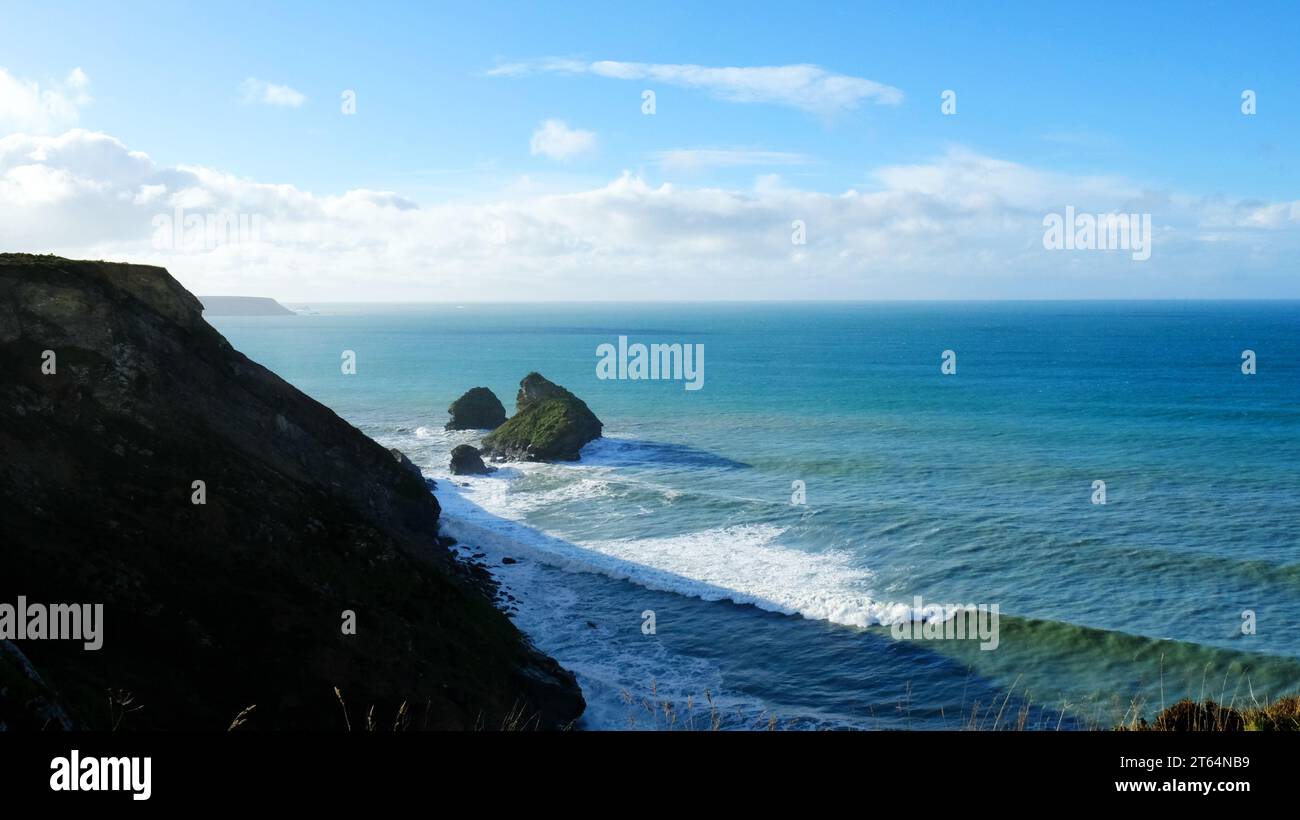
(743, 563)
(625, 675)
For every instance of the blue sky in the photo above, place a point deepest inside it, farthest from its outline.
(1147, 96)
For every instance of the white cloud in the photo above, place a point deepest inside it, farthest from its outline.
(697, 159)
(804, 86)
(261, 92)
(26, 106)
(557, 140)
(962, 225)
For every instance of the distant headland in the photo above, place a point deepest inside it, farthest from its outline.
(243, 306)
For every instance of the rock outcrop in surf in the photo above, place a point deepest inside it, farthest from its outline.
(478, 409)
(465, 460)
(549, 424)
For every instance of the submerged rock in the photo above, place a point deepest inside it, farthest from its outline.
(465, 460)
(549, 424)
(478, 409)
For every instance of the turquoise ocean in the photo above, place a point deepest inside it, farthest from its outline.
(975, 487)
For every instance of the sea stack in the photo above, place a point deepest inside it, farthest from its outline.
(478, 409)
(465, 460)
(549, 424)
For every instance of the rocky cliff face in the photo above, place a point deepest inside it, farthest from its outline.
(115, 399)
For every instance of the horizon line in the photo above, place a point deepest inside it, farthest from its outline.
(461, 302)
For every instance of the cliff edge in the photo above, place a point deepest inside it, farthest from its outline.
(115, 399)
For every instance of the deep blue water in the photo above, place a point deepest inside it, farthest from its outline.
(975, 487)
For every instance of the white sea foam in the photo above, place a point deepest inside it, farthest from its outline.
(745, 564)
(621, 671)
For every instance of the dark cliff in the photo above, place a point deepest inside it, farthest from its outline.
(212, 608)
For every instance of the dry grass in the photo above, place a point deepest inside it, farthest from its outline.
(654, 712)
(1187, 715)
(1226, 713)
(121, 705)
(241, 718)
(1015, 711)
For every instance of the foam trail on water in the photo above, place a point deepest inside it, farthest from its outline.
(744, 564)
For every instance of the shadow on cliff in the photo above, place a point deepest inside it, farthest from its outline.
(230, 526)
